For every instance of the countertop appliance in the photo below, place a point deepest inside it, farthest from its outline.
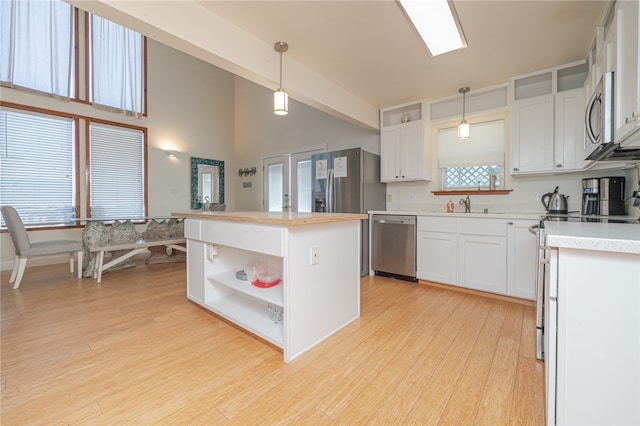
(599, 124)
(542, 276)
(555, 203)
(603, 196)
(611, 194)
(590, 196)
(348, 181)
(393, 246)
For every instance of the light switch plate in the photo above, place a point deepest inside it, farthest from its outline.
(315, 255)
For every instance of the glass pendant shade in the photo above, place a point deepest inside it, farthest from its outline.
(463, 130)
(280, 102)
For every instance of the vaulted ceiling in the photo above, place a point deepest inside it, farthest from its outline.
(353, 57)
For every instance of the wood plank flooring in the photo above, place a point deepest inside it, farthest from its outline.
(134, 350)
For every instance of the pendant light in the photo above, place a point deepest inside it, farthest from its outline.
(463, 127)
(280, 97)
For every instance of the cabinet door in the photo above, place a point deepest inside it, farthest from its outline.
(196, 253)
(627, 83)
(522, 265)
(389, 148)
(436, 253)
(482, 263)
(569, 130)
(532, 135)
(411, 151)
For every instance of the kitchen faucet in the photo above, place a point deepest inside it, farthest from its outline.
(467, 204)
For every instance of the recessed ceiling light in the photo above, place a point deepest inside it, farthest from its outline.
(437, 23)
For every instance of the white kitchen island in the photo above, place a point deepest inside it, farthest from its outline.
(318, 255)
(592, 323)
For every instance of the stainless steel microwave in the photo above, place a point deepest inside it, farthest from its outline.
(599, 122)
(599, 118)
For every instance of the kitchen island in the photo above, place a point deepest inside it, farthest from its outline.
(592, 323)
(317, 256)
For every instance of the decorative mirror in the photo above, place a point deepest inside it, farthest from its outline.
(207, 182)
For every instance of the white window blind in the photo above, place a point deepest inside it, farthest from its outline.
(117, 70)
(484, 147)
(117, 156)
(37, 166)
(36, 45)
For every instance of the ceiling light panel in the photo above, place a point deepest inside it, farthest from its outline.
(437, 23)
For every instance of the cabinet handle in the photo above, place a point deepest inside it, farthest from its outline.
(515, 169)
(558, 165)
(509, 223)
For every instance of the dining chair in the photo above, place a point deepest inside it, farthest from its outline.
(25, 249)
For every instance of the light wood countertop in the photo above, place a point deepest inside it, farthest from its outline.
(273, 218)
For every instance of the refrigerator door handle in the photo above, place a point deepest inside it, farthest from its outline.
(330, 195)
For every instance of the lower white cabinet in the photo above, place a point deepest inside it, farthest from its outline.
(482, 263)
(437, 258)
(522, 266)
(492, 255)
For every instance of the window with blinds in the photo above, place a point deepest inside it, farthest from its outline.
(117, 178)
(469, 163)
(38, 166)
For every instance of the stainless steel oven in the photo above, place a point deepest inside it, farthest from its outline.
(542, 260)
(543, 257)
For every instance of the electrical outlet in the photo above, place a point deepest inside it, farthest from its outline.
(315, 255)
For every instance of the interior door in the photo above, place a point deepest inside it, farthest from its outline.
(288, 182)
(276, 183)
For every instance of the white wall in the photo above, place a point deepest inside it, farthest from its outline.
(191, 107)
(259, 133)
(525, 197)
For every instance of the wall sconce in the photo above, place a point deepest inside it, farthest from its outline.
(280, 97)
(463, 127)
(247, 171)
(171, 153)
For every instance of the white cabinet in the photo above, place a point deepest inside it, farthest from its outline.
(547, 109)
(596, 336)
(404, 151)
(313, 301)
(532, 134)
(493, 255)
(437, 249)
(522, 246)
(569, 130)
(482, 255)
(627, 78)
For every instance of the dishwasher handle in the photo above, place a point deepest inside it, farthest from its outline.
(394, 220)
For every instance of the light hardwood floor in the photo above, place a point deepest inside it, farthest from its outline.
(134, 350)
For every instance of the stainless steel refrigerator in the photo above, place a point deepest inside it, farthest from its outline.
(348, 181)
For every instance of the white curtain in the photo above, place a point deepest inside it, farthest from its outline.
(116, 66)
(485, 146)
(36, 45)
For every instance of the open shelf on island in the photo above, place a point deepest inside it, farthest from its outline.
(250, 314)
(228, 279)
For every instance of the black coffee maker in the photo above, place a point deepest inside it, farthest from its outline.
(603, 196)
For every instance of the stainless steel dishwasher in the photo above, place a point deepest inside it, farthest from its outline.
(393, 246)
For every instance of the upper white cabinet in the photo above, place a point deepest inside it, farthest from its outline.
(627, 90)
(404, 149)
(547, 110)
